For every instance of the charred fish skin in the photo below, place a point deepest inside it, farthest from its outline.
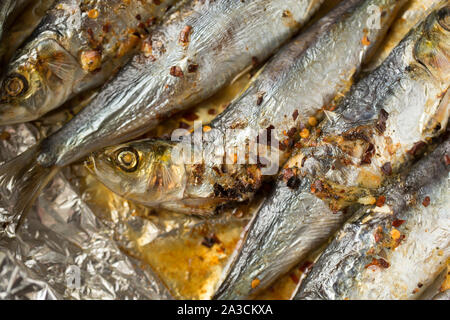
(394, 251)
(288, 90)
(194, 53)
(77, 46)
(339, 166)
(199, 28)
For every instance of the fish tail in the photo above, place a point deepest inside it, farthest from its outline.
(21, 181)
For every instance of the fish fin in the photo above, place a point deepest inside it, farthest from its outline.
(331, 116)
(56, 62)
(21, 181)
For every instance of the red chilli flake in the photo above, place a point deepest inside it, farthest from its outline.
(378, 235)
(368, 154)
(397, 223)
(381, 124)
(260, 98)
(426, 201)
(416, 148)
(447, 159)
(176, 71)
(184, 34)
(380, 201)
(106, 27)
(378, 263)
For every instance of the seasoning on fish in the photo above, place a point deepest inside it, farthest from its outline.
(345, 269)
(222, 43)
(381, 118)
(280, 101)
(71, 52)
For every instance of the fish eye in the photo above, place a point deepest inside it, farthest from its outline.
(127, 159)
(15, 85)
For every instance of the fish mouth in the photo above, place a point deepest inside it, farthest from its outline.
(10, 114)
(89, 164)
(96, 158)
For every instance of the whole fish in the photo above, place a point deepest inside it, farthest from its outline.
(195, 52)
(304, 77)
(9, 9)
(378, 129)
(77, 46)
(393, 251)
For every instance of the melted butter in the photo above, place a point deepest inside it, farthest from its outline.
(190, 269)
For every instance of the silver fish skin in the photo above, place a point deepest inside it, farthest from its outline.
(18, 33)
(215, 40)
(305, 76)
(445, 296)
(77, 46)
(373, 257)
(347, 160)
(435, 290)
(8, 10)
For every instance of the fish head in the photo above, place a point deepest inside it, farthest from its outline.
(143, 171)
(433, 49)
(36, 81)
(433, 52)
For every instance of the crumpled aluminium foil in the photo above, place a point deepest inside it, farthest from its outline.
(62, 250)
